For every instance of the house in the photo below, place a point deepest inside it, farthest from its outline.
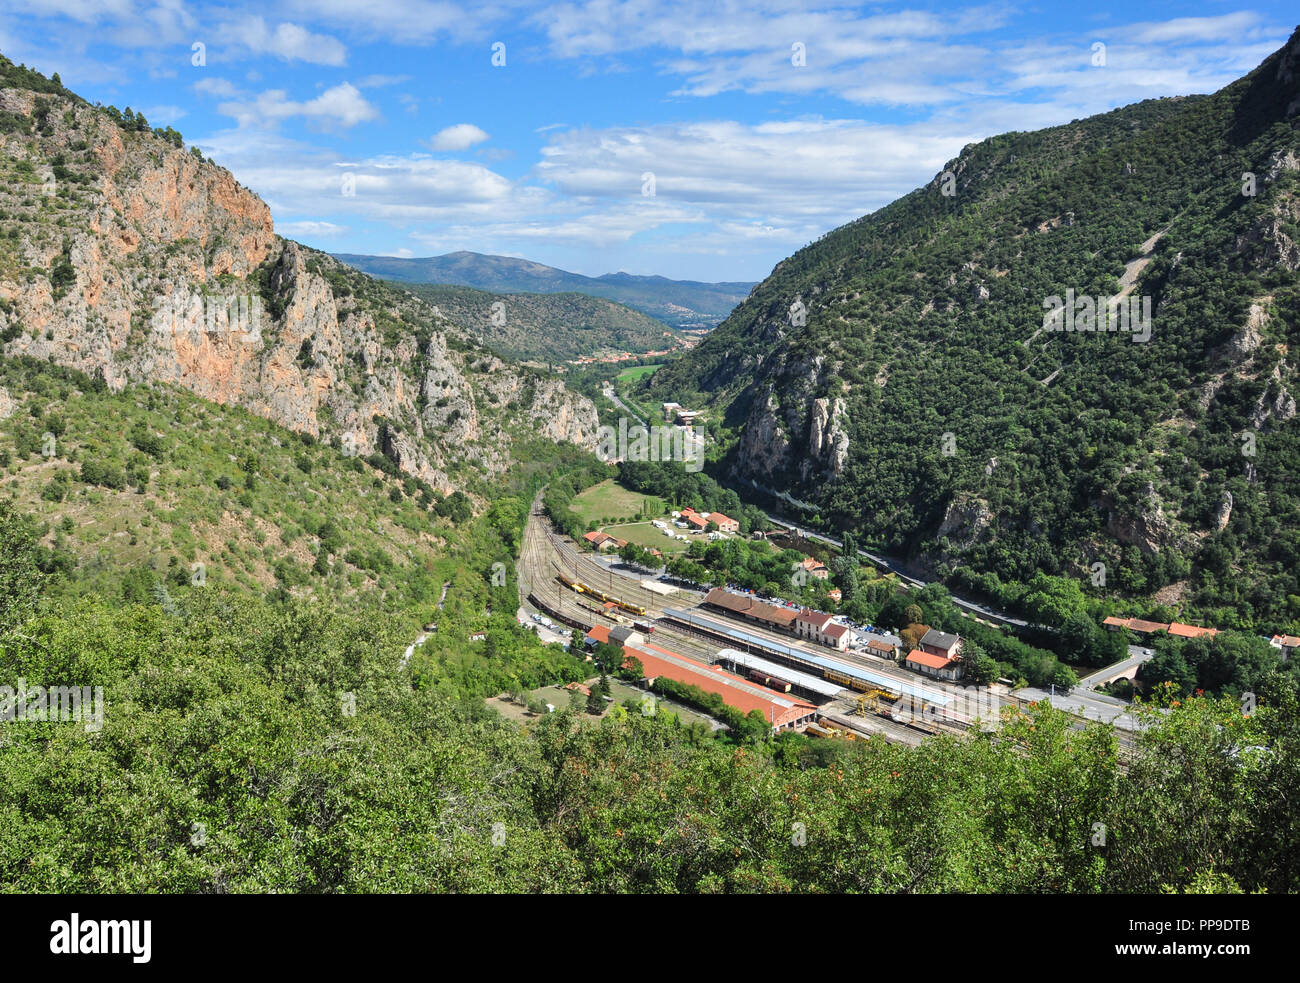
(578, 688)
(835, 594)
(623, 635)
(695, 520)
(603, 541)
(837, 636)
(878, 646)
(929, 664)
(724, 522)
(1285, 643)
(815, 568)
(670, 409)
(1180, 630)
(819, 627)
(940, 643)
(1146, 627)
(598, 633)
(1138, 625)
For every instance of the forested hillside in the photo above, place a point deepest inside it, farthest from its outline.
(899, 375)
(551, 328)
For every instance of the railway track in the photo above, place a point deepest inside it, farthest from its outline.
(545, 556)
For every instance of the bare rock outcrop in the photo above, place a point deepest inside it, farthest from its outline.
(162, 268)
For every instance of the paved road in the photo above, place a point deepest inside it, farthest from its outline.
(613, 398)
(1136, 656)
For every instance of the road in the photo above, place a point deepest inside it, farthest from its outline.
(896, 567)
(613, 398)
(1137, 655)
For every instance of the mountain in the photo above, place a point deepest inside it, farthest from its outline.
(124, 257)
(903, 375)
(551, 327)
(677, 303)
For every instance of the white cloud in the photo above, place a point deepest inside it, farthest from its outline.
(311, 230)
(288, 41)
(799, 176)
(461, 136)
(214, 86)
(163, 115)
(381, 81)
(339, 107)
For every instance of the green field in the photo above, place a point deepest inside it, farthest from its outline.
(644, 534)
(638, 372)
(608, 500)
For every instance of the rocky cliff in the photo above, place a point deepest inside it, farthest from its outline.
(123, 255)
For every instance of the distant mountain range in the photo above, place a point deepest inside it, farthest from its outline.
(677, 303)
(550, 327)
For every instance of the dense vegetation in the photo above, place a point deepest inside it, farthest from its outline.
(551, 328)
(254, 746)
(924, 317)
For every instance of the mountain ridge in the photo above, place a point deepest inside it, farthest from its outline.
(124, 256)
(898, 374)
(678, 303)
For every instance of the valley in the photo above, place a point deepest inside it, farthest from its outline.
(954, 556)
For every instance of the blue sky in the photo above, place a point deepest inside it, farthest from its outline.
(547, 155)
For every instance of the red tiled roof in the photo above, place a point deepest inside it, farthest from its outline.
(1288, 641)
(926, 659)
(695, 520)
(1146, 627)
(742, 694)
(719, 518)
(599, 633)
(742, 604)
(878, 646)
(818, 619)
(1191, 631)
(835, 631)
(1117, 622)
(595, 537)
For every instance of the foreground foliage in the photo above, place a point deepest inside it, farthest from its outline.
(228, 761)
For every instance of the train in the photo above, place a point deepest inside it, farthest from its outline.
(578, 587)
(771, 682)
(850, 682)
